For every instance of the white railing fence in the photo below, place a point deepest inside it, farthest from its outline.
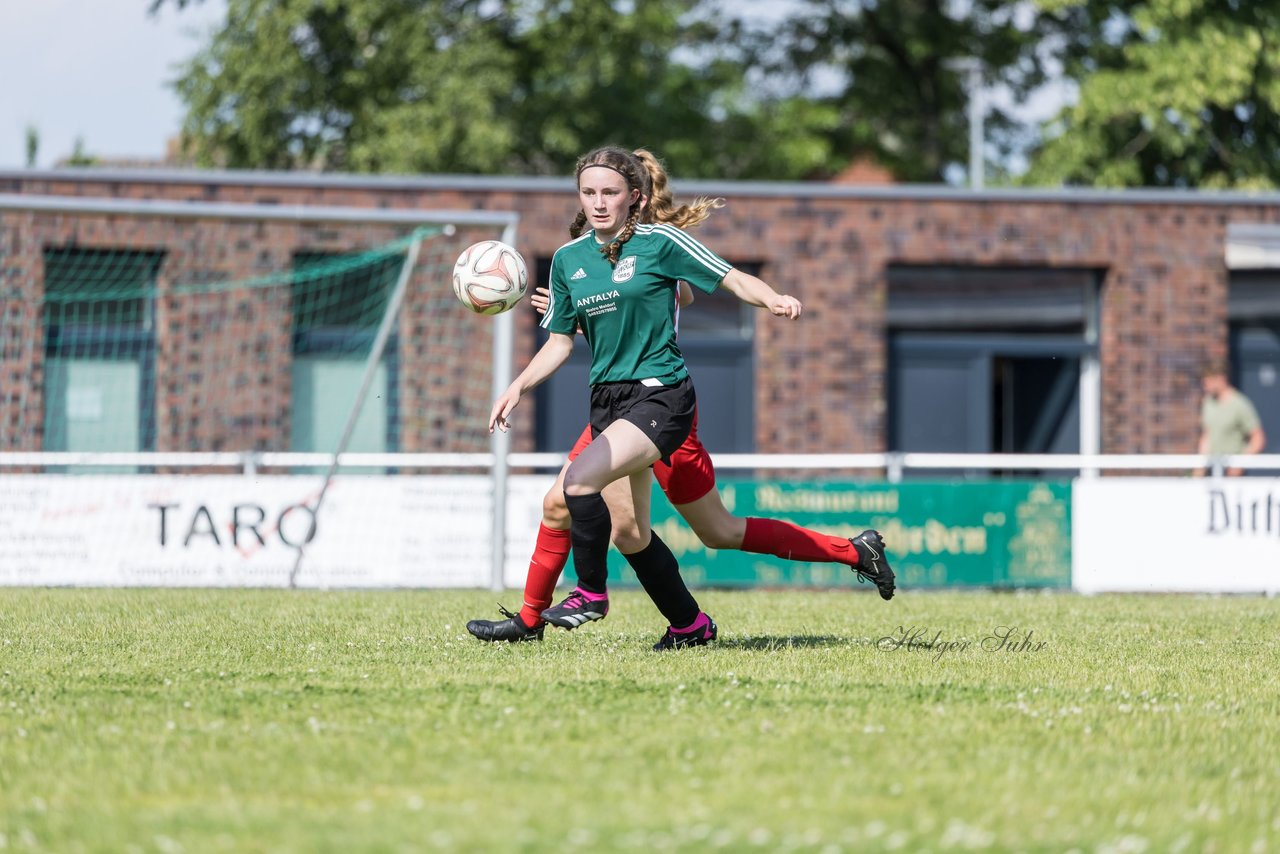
(893, 467)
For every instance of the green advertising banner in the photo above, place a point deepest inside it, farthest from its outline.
(938, 534)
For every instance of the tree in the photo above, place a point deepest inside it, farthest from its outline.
(882, 73)
(32, 141)
(525, 85)
(302, 84)
(1182, 93)
(79, 155)
(480, 86)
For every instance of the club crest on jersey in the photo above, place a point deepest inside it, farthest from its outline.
(625, 270)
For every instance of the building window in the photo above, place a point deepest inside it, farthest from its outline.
(99, 371)
(993, 360)
(1253, 312)
(336, 311)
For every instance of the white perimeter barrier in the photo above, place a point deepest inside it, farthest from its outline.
(243, 531)
(1150, 534)
(1184, 535)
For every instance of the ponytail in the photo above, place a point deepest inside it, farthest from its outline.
(662, 207)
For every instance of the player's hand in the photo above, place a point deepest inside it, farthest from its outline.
(541, 299)
(785, 305)
(500, 415)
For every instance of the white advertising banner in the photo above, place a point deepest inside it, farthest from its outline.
(1179, 535)
(242, 531)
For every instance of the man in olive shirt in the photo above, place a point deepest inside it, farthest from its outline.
(1228, 422)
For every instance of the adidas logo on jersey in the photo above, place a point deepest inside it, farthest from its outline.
(581, 274)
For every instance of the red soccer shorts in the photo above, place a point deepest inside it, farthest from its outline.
(690, 475)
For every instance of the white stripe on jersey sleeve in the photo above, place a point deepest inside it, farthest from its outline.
(551, 310)
(676, 319)
(693, 247)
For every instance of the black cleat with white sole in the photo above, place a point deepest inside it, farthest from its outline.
(873, 565)
(511, 630)
(575, 610)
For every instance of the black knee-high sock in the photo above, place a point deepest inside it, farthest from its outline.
(659, 575)
(589, 532)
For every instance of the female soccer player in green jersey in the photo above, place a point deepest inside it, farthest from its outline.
(617, 283)
(689, 483)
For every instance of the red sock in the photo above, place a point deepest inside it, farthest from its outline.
(550, 554)
(791, 542)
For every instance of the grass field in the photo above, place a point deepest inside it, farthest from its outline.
(322, 721)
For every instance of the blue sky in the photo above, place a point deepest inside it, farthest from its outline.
(93, 69)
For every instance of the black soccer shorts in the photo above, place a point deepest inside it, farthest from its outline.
(663, 413)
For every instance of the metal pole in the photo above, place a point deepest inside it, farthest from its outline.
(971, 69)
(977, 111)
(1091, 378)
(893, 467)
(500, 443)
(389, 318)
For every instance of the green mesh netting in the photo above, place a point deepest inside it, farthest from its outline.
(229, 337)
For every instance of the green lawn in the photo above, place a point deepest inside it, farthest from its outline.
(332, 721)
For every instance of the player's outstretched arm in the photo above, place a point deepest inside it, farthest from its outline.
(757, 292)
(543, 364)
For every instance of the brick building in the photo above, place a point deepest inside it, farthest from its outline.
(935, 318)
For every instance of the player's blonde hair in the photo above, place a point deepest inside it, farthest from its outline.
(662, 204)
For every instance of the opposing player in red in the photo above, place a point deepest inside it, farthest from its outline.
(688, 479)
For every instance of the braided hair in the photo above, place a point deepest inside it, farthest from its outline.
(637, 177)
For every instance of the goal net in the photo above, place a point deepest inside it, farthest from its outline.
(176, 339)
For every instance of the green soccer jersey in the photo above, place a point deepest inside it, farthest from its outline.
(627, 311)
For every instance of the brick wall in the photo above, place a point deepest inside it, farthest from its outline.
(821, 381)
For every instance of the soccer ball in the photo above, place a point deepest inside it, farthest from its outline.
(490, 277)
